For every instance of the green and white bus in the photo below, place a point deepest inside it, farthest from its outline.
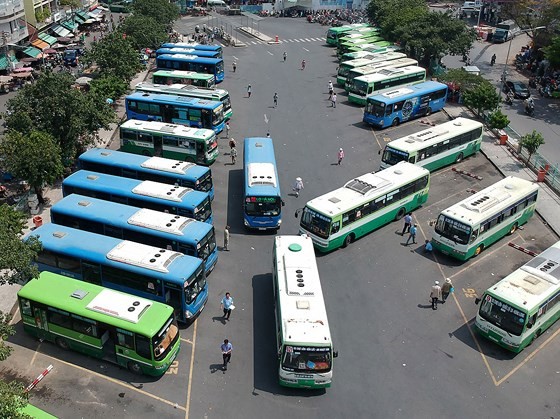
(379, 46)
(371, 59)
(336, 32)
(519, 308)
(374, 68)
(470, 226)
(349, 45)
(364, 204)
(437, 146)
(204, 80)
(130, 331)
(303, 338)
(364, 53)
(160, 139)
(188, 90)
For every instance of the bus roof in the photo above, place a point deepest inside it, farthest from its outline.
(178, 87)
(365, 188)
(126, 311)
(189, 58)
(304, 317)
(390, 72)
(422, 139)
(358, 62)
(533, 283)
(186, 51)
(174, 100)
(195, 45)
(407, 92)
(121, 186)
(139, 259)
(260, 174)
(496, 197)
(370, 68)
(346, 28)
(183, 74)
(167, 129)
(125, 217)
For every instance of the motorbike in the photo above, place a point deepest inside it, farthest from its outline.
(509, 99)
(530, 108)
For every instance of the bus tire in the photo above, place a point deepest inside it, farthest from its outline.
(62, 343)
(146, 153)
(400, 214)
(512, 229)
(134, 367)
(347, 240)
(428, 111)
(459, 158)
(396, 122)
(478, 250)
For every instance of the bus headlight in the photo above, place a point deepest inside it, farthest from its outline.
(188, 314)
(381, 122)
(279, 222)
(246, 223)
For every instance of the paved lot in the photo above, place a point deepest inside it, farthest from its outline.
(398, 358)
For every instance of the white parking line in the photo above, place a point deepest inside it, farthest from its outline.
(270, 52)
(297, 40)
(234, 57)
(306, 49)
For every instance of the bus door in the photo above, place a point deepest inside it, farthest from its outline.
(200, 156)
(40, 315)
(158, 145)
(424, 104)
(108, 339)
(167, 113)
(174, 298)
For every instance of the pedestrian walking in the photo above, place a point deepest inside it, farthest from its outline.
(226, 353)
(226, 238)
(268, 135)
(232, 143)
(340, 155)
(234, 65)
(331, 89)
(249, 91)
(303, 65)
(285, 56)
(333, 100)
(412, 236)
(446, 289)
(227, 129)
(275, 97)
(435, 294)
(298, 186)
(227, 305)
(407, 223)
(233, 154)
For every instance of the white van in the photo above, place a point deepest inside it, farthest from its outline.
(218, 4)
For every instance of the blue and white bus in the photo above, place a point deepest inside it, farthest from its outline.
(146, 271)
(405, 103)
(194, 45)
(182, 110)
(157, 169)
(140, 193)
(155, 228)
(188, 51)
(186, 62)
(262, 201)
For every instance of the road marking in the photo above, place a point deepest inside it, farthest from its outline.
(478, 260)
(270, 52)
(189, 386)
(234, 57)
(376, 139)
(308, 40)
(306, 49)
(297, 40)
(265, 119)
(186, 340)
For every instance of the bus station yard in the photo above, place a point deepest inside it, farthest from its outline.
(397, 357)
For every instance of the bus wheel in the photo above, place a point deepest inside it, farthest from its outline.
(428, 111)
(459, 158)
(479, 250)
(347, 240)
(146, 153)
(61, 342)
(512, 229)
(400, 214)
(134, 367)
(396, 122)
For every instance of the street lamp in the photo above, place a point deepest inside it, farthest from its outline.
(504, 74)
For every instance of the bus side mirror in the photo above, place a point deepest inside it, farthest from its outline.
(477, 300)
(529, 325)
(335, 354)
(283, 203)
(378, 152)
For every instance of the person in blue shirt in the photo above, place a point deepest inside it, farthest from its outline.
(407, 223)
(226, 352)
(412, 236)
(428, 247)
(227, 305)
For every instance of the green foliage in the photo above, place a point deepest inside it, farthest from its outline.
(392, 15)
(143, 31)
(115, 56)
(108, 86)
(53, 106)
(16, 255)
(481, 98)
(42, 15)
(14, 398)
(74, 4)
(498, 120)
(532, 142)
(552, 52)
(162, 11)
(461, 78)
(35, 157)
(6, 330)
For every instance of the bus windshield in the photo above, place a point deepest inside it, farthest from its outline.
(375, 107)
(305, 359)
(163, 341)
(196, 286)
(316, 223)
(392, 156)
(502, 315)
(360, 87)
(207, 245)
(263, 205)
(453, 229)
(218, 115)
(203, 211)
(205, 184)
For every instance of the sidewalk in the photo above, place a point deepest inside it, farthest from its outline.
(505, 161)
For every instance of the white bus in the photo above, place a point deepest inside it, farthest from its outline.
(384, 79)
(372, 58)
(519, 308)
(468, 227)
(437, 146)
(303, 337)
(374, 68)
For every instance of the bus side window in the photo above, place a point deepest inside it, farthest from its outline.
(335, 227)
(25, 306)
(474, 236)
(412, 159)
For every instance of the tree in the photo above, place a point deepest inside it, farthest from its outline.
(35, 157)
(108, 86)
(530, 14)
(552, 52)
(14, 398)
(162, 11)
(498, 120)
(52, 105)
(17, 255)
(390, 15)
(6, 330)
(481, 98)
(115, 56)
(143, 31)
(532, 142)
(461, 79)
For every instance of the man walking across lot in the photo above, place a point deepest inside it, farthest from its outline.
(435, 294)
(446, 289)
(226, 238)
(227, 305)
(412, 236)
(340, 155)
(333, 100)
(226, 352)
(275, 97)
(407, 223)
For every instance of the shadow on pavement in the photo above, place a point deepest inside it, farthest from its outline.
(235, 201)
(489, 349)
